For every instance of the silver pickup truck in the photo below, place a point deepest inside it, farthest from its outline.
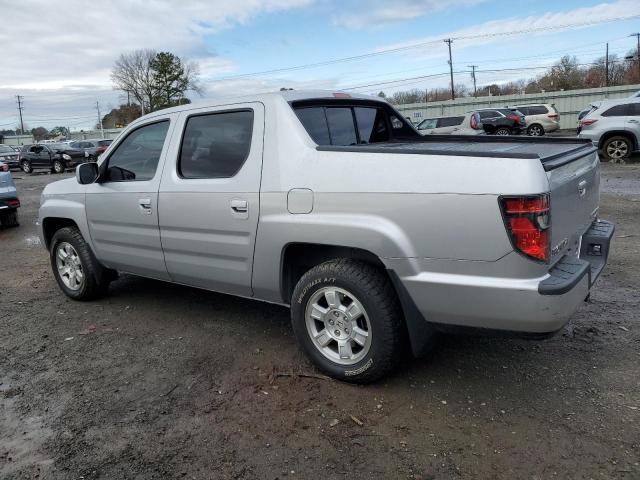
(333, 204)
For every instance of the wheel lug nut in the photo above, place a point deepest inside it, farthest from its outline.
(331, 322)
(337, 332)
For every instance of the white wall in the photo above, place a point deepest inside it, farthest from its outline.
(568, 103)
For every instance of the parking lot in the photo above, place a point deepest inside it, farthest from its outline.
(163, 381)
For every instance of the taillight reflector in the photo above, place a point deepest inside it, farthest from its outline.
(4, 167)
(553, 115)
(587, 121)
(528, 223)
(14, 203)
(515, 118)
(474, 122)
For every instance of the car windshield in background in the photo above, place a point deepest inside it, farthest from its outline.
(6, 149)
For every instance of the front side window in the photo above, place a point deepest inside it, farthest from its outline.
(489, 114)
(137, 156)
(427, 124)
(215, 145)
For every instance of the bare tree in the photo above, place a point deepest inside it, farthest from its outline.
(132, 73)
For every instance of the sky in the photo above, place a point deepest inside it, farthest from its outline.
(58, 55)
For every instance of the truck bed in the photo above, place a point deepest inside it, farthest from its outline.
(552, 152)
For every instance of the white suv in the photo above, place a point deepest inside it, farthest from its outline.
(468, 124)
(540, 117)
(614, 127)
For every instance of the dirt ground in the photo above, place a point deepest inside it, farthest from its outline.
(162, 381)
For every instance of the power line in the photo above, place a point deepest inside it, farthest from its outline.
(423, 44)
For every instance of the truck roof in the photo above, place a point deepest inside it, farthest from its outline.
(287, 95)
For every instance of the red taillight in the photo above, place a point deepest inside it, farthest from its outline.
(527, 221)
(15, 203)
(474, 122)
(553, 116)
(100, 149)
(587, 121)
(515, 118)
(4, 167)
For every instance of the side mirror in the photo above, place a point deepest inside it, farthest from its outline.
(87, 173)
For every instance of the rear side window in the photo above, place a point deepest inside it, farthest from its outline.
(136, 158)
(215, 145)
(315, 122)
(449, 121)
(372, 125)
(524, 110)
(618, 111)
(341, 126)
(635, 109)
(536, 110)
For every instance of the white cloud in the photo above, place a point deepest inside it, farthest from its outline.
(382, 12)
(70, 47)
(492, 31)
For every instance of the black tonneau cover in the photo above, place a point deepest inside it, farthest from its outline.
(552, 152)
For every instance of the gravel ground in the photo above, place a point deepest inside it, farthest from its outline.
(162, 381)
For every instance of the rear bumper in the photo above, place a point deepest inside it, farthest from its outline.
(533, 305)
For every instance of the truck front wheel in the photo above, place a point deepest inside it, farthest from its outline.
(78, 273)
(347, 317)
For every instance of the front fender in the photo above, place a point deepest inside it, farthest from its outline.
(70, 207)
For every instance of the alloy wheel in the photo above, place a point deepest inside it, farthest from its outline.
(69, 266)
(338, 325)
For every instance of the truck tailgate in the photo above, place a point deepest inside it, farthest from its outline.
(575, 196)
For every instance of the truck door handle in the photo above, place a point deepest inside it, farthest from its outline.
(239, 206)
(145, 205)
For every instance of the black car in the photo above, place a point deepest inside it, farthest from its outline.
(9, 156)
(502, 121)
(55, 157)
(92, 148)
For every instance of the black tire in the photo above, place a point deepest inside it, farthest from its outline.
(374, 291)
(58, 166)
(617, 149)
(26, 166)
(9, 219)
(502, 131)
(96, 277)
(535, 130)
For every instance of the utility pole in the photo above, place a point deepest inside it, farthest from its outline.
(473, 75)
(20, 107)
(100, 119)
(448, 42)
(637, 35)
(606, 67)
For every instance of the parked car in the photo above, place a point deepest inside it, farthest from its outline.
(9, 156)
(369, 231)
(468, 124)
(502, 121)
(92, 148)
(540, 118)
(614, 127)
(9, 202)
(56, 157)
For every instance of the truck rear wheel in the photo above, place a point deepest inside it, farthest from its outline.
(348, 319)
(78, 273)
